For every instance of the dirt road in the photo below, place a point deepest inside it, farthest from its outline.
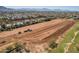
(71, 42)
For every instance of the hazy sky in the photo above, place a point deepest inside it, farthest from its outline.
(50, 7)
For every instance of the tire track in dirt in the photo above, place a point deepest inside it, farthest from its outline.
(56, 31)
(13, 36)
(39, 34)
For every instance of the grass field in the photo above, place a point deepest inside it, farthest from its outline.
(67, 39)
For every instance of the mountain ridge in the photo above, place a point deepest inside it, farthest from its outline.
(5, 9)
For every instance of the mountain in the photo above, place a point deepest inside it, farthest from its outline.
(4, 9)
(33, 9)
(46, 9)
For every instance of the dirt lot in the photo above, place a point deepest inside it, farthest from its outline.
(38, 39)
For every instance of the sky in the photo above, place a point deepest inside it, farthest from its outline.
(76, 8)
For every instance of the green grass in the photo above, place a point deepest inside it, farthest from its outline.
(67, 38)
(73, 47)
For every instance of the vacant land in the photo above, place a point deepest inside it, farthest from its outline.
(40, 36)
(70, 41)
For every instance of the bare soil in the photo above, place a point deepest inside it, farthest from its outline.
(40, 37)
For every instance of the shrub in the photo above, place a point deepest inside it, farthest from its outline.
(18, 47)
(77, 47)
(53, 45)
(9, 49)
(19, 32)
